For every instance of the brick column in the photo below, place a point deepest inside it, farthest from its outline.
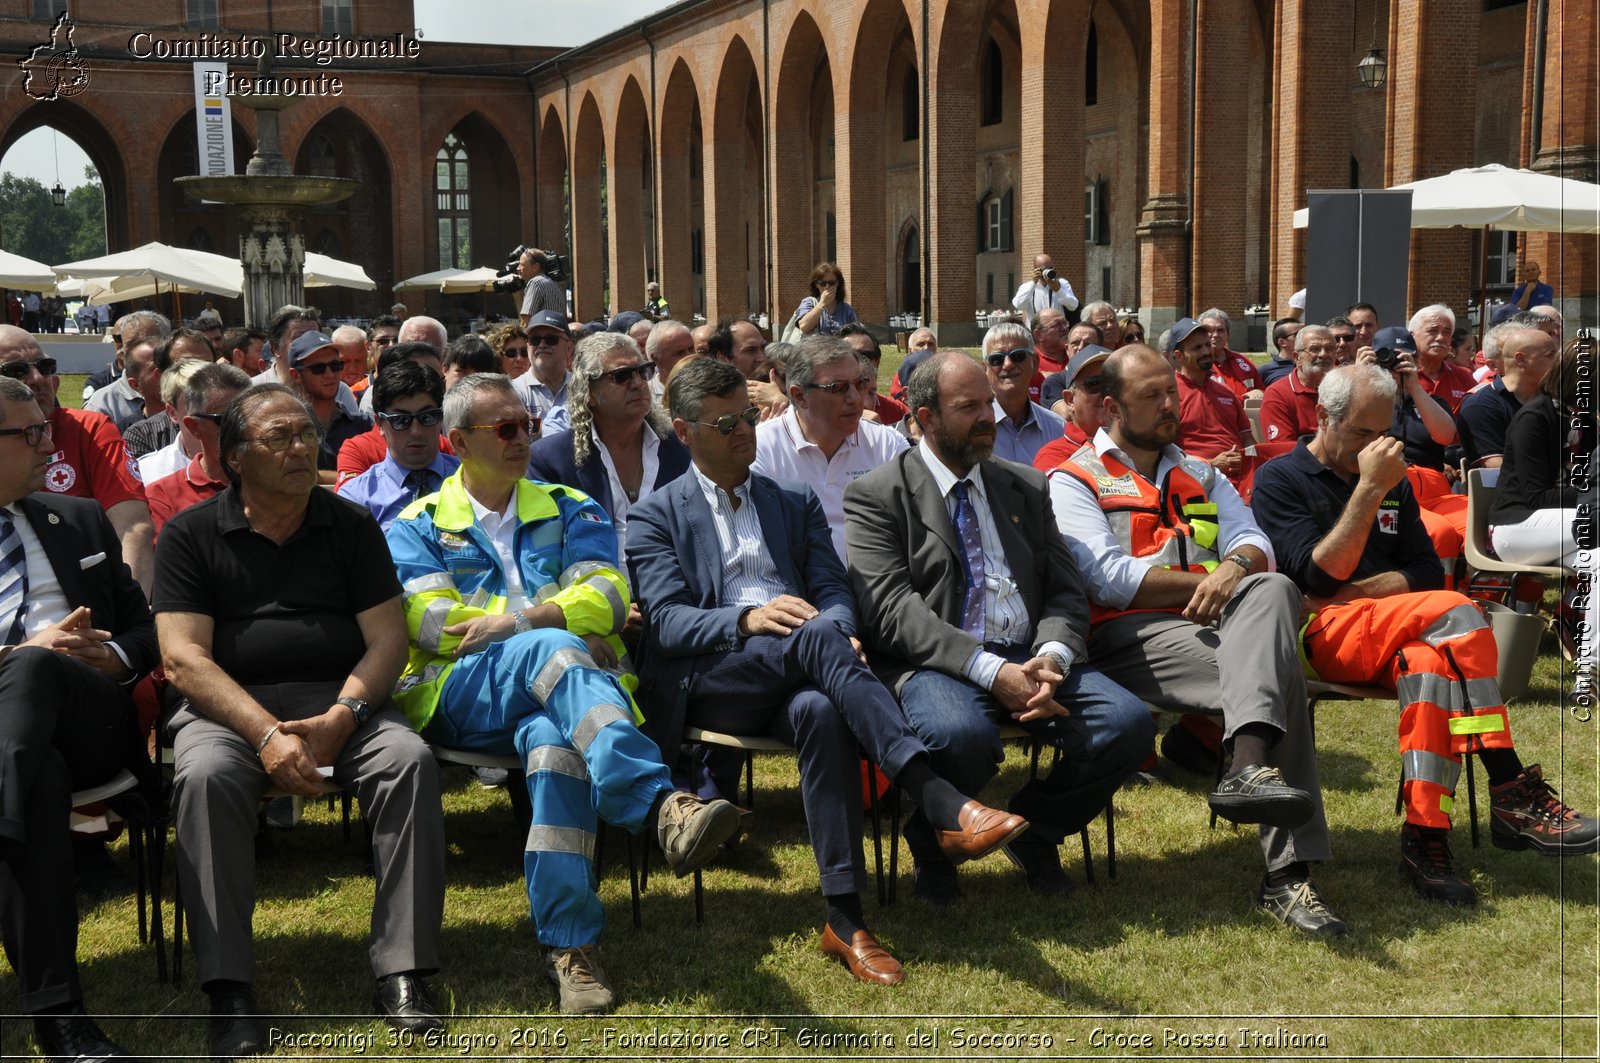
(674, 220)
(1222, 115)
(951, 126)
(587, 280)
(793, 161)
(1165, 213)
(726, 191)
(629, 153)
(1050, 206)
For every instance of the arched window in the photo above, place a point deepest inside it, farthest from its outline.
(994, 85)
(910, 104)
(454, 204)
(994, 222)
(323, 161)
(910, 272)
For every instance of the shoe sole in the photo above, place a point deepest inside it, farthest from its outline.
(1518, 842)
(1000, 845)
(1277, 811)
(721, 822)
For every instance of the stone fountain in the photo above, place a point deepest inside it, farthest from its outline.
(270, 199)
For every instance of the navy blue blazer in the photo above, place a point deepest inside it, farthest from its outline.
(552, 460)
(675, 564)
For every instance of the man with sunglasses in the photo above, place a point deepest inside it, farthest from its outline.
(1022, 426)
(366, 450)
(513, 599)
(409, 399)
(74, 635)
(544, 386)
(90, 459)
(206, 394)
(751, 629)
(315, 366)
(1079, 404)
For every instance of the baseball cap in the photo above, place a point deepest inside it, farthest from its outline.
(549, 319)
(625, 321)
(1180, 332)
(1395, 337)
(306, 345)
(1091, 352)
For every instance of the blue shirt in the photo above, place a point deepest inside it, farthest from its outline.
(1020, 442)
(382, 488)
(1483, 419)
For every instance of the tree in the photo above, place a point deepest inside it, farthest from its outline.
(34, 227)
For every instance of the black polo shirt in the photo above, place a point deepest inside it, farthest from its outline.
(1297, 500)
(281, 613)
(1411, 430)
(1483, 419)
(344, 426)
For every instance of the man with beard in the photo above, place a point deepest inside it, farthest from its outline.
(975, 614)
(1212, 421)
(1289, 407)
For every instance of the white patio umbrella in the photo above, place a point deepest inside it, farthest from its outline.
(324, 272)
(25, 273)
(153, 268)
(470, 280)
(1499, 197)
(427, 281)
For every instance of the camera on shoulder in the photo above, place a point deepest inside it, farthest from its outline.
(510, 278)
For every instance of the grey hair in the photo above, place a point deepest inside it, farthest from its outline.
(695, 379)
(587, 365)
(1214, 314)
(1528, 319)
(1307, 332)
(143, 319)
(177, 377)
(1496, 338)
(1338, 389)
(1011, 333)
(813, 353)
(13, 391)
(1435, 310)
(1087, 312)
(659, 334)
(427, 329)
(218, 376)
(460, 400)
(237, 417)
(780, 353)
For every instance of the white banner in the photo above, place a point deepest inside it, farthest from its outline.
(213, 119)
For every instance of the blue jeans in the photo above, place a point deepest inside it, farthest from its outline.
(1103, 740)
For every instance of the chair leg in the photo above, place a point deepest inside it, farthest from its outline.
(345, 796)
(177, 920)
(156, 845)
(1472, 799)
(877, 835)
(1088, 856)
(1111, 841)
(894, 843)
(749, 780)
(644, 868)
(633, 881)
(699, 898)
(136, 828)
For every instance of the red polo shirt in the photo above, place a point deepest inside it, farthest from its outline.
(1212, 418)
(1047, 364)
(1288, 409)
(1057, 451)
(1237, 370)
(90, 460)
(178, 491)
(1451, 385)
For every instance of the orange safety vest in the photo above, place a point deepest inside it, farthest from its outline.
(1173, 525)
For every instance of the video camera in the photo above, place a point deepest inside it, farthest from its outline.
(510, 279)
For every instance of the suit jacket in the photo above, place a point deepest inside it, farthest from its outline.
(552, 460)
(75, 532)
(675, 563)
(905, 565)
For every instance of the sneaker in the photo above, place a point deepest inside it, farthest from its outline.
(1040, 863)
(1525, 814)
(1299, 905)
(1257, 794)
(580, 978)
(690, 830)
(1425, 858)
(491, 778)
(1181, 746)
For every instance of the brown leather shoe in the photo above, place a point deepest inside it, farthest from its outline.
(983, 830)
(867, 960)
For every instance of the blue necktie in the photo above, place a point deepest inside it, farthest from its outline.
(966, 521)
(420, 482)
(13, 581)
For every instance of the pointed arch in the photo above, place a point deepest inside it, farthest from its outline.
(588, 211)
(632, 187)
(682, 224)
(735, 165)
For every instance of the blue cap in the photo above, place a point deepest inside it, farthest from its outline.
(549, 319)
(1091, 352)
(1180, 332)
(1395, 337)
(306, 345)
(624, 321)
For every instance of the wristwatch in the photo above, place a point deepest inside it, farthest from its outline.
(359, 706)
(520, 622)
(1242, 561)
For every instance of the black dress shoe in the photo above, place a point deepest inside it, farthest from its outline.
(937, 884)
(73, 1037)
(404, 1002)
(1039, 860)
(234, 1029)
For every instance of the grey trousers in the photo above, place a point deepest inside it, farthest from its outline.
(220, 783)
(1247, 669)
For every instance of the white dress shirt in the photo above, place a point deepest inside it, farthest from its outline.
(501, 528)
(749, 577)
(1032, 298)
(784, 453)
(619, 497)
(1112, 575)
(47, 603)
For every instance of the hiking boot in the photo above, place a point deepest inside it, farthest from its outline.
(1525, 814)
(1257, 794)
(1039, 860)
(1425, 858)
(690, 830)
(1299, 905)
(580, 978)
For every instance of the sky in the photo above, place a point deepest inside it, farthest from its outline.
(538, 22)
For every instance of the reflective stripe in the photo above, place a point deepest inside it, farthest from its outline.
(576, 572)
(1447, 804)
(430, 630)
(1121, 522)
(545, 682)
(1423, 766)
(1461, 620)
(619, 608)
(433, 581)
(542, 839)
(545, 593)
(593, 721)
(624, 665)
(556, 759)
(1446, 692)
(1477, 725)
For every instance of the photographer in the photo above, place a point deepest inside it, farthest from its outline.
(542, 293)
(1043, 291)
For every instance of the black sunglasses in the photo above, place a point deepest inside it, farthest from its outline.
(508, 430)
(726, 424)
(620, 377)
(214, 418)
(1091, 384)
(30, 433)
(1018, 356)
(20, 370)
(400, 422)
(323, 368)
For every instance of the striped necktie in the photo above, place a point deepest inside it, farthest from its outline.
(13, 580)
(420, 482)
(966, 522)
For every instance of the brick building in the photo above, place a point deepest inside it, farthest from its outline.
(1156, 149)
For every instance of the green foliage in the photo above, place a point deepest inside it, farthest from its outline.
(34, 227)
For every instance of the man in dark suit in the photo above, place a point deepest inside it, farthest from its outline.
(975, 613)
(750, 629)
(76, 634)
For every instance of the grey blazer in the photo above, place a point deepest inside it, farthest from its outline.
(905, 565)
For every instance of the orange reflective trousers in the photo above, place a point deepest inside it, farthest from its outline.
(1434, 649)
(1444, 515)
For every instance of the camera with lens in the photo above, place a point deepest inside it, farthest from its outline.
(510, 279)
(1387, 358)
(1048, 274)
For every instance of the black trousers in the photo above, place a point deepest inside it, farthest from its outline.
(63, 727)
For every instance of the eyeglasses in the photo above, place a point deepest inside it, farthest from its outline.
(1091, 384)
(1344, 337)
(726, 424)
(545, 340)
(868, 385)
(838, 387)
(384, 341)
(19, 370)
(515, 352)
(828, 284)
(214, 418)
(280, 440)
(30, 433)
(620, 377)
(323, 368)
(508, 430)
(1018, 356)
(401, 422)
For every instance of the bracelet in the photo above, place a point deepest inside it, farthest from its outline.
(266, 738)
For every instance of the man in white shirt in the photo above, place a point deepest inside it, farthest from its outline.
(1045, 289)
(821, 439)
(544, 386)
